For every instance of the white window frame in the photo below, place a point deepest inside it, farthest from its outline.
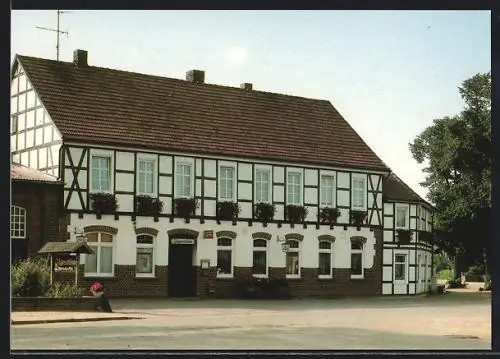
(299, 253)
(100, 244)
(358, 251)
(15, 226)
(359, 177)
(225, 248)
(234, 184)
(323, 190)
(261, 249)
(190, 163)
(407, 216)
(301, 186)
(148, 246)
(143, 158)
(406, 267)
(269, 185)
(101, 153)
(329, 251)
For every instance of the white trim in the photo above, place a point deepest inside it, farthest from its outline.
(101, 153)
(300, 172)
(154, 159)
(184, 161)
(142, 245)
(334, 189)
(406, 266)
(225, 248)
(299, 253)
(330, 252)
(235, 181)
(101, 244)
(270, 184)
(358, 251)
(261, 249)
(363, 177)
(19, 212)
(407, 216)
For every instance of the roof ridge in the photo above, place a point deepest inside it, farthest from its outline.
(407, 186)
(177, 79)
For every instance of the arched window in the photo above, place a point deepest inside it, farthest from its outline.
(145, 266)
(101, 263)
(259, 268)
(17, 222)
(325, 259)
(357, 264)
(224, 257)
(293, 259)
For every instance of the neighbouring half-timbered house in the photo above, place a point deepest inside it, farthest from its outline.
(182, 188)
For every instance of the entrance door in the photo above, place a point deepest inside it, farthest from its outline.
(181, 273)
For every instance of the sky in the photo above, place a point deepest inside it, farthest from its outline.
(389, 73)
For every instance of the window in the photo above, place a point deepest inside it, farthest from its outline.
(358, 192)
(262, 185)
(401, 216)
(294, 188)
(183, 178)
(101, 177)
(146, 176)
(327, 191)
(356, 260)
(101, 262)
(13, 128)
(17, 222)
(260, 257)
(400, 267)
(293, 260)
(145, 255)
(224, 257)
(325, 259)
(424, 221)
(226, 183)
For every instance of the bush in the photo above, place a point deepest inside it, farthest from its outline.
(455, 283)
(30, 277)
(476, 269)
(63, 290)
(446, 274)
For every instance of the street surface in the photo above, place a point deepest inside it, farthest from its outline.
(457, 320)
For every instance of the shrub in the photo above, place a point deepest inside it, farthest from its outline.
(329, 215)
(30, 277)
(446, 274)
(476, 269)
(228, 211)
(265, 211)
(358, 217)
(104, 203)
(63, 290)
(295, 214)
(149, 206)
(185, 207)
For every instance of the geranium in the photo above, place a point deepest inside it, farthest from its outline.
(96, 288)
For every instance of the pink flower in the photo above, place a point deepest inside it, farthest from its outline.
(96, 287)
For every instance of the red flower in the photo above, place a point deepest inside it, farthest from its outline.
(96, 287)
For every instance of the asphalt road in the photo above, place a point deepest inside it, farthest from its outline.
(450, 322)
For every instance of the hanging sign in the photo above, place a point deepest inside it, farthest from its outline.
(208, 234)
(181, 241)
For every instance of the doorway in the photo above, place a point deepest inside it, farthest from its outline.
(181, 272)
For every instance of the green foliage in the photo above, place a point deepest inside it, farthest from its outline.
(446, 274)
(477, 269)
(63, 290)
(30, 277)
(457, 152)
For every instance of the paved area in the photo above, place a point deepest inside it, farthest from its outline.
(457, 320)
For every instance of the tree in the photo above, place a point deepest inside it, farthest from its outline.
(457, 151)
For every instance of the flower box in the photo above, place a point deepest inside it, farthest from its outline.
(264, 212)
(358, 217)
(148, 206)
(329, 215)
(228, 211)
(185, 207)
(103, 203)
(403, 236)
(295, 214)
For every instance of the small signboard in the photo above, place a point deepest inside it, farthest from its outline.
(65, 263)
(208, 234)
(181, 241)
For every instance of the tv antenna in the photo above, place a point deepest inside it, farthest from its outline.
(58, 32)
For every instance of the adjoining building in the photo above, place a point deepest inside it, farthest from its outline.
(182, 187)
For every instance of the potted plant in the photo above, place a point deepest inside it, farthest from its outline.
(228, 211)
(295, 214)
(358, 217)
(148, 206)
(103, 203)
(265, 212)
(185, 207)
(329, 215)
(403, 236)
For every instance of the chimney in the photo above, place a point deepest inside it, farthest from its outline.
(246, 86)
(80, 58)
(196, 76)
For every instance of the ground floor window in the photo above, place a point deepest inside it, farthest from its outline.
(357, 260)
(101, 262)
(293, 259)
(145, 255)
(259, 267)
(400, 267)
(224, 257)
(325, 259)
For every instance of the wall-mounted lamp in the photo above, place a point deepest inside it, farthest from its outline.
(285, 246)
(79, 234)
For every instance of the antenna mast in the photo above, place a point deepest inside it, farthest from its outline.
(58, 32)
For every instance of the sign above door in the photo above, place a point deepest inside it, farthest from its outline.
(181, 241)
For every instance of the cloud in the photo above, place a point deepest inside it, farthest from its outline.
(237, 55)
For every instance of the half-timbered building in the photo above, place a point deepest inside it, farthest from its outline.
(183, 187)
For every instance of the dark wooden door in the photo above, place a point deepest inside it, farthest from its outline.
(181, 279)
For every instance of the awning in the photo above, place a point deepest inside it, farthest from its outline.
(66, 247)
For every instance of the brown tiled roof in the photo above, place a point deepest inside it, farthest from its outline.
(394, 189)
(22, 173)
(100, 105)
(66, 247)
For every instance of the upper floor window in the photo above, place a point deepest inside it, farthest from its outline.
(325, 259)
(101, 262)
(17, 222)
(401, 217)
(259, 267)
(294, 188)
(262, 185)
(145, 255)
(146, 176)
(424, 220)
(224, 257)
(226, 183)
(358, 192)
(327, 191)
(293, 259)
(183, 179)
(101, 173)
(357, 259)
